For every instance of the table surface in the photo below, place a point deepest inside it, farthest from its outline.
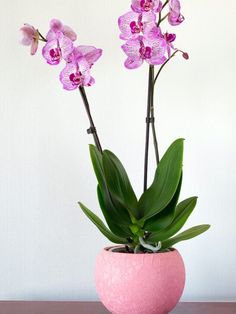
(48, 307)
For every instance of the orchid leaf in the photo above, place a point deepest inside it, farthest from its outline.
(101, 226)
(96, 158)
(182, 212)
(165, 183)
(183, 236)
(118, 182)
(106, 206)
(111, 211)
(166, 216)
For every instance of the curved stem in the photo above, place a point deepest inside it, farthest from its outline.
(162, 19)
(152, 118)
(165, 4)
(149, 104)
(158, 73)
(92, 130)
(42, 38)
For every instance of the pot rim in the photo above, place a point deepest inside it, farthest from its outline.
(108, 249)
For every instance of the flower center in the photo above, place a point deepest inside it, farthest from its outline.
(76, 78)
(136, 27)
(55, 54)
(145, 52)
(146, 5)
(170, 37)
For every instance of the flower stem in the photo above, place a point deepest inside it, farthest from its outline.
(155, 143)
(163, 18)
(158, 73)
(165, 4)
(148, 120)
(42, 38)
(160, 18)
(92, 130)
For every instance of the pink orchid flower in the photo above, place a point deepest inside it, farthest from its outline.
(30, 37)
(57, 27)
(169, 38)
(90, 53)
(77, 71)
(146, 6)
(174, 16)
(57, 49)
(76, 74)
(132, 24)
(140, 49)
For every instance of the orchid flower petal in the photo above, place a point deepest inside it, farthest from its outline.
(75, 75)
(90, 53)
(57, 49)
(133, 63)
(146, 6)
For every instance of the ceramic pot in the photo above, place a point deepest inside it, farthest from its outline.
(139, 283)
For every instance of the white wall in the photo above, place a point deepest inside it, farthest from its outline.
(47, 246)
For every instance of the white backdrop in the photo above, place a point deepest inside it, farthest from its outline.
(47, 245)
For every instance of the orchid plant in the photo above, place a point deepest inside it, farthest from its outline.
(150, 223)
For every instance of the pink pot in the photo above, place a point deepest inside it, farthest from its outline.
(139, 283)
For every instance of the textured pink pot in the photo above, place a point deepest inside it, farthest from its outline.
(139, 283)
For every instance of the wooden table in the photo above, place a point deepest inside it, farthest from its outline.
(32, 307)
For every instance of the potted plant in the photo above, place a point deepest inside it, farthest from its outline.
(143, 273)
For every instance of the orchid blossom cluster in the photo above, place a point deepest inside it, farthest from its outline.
(140, 28)
(149, 223)
(60, 47)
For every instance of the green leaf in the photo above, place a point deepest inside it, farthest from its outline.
(96, 158)
(166, 216)
(116, 228)
(165, 183)
(101, 226)
(186, 235)
(118, 182)
(111, 212)
(182, 212)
